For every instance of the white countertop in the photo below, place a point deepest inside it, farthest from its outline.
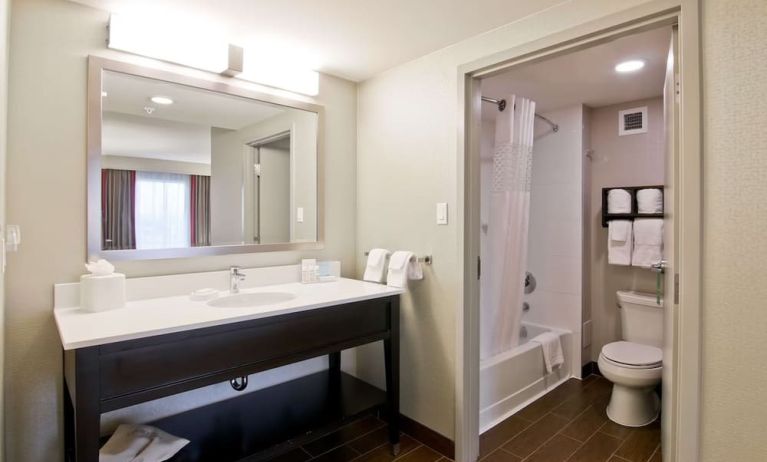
(156, 316)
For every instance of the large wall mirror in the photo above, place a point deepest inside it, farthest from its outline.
(182, 167)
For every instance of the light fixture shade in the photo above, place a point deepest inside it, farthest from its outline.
(174, 42)
(154, 38)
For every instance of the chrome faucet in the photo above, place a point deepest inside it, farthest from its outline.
(235, 276)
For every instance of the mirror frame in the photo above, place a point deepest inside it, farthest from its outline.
(96, 68)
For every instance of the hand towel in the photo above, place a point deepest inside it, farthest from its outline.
(374, 271)
(403, 265)
(650, 200)
(618, 201)
(619, 241)
(552, 350)
(140, 443)
(648, 242)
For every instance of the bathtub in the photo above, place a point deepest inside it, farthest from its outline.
(511, 380)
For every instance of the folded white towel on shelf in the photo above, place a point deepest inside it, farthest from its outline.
(374, 271)
(140, 443)
(618, 201)
(403, 265)
(648, 242)
(619, 242)
(650, 200)
(552, 350)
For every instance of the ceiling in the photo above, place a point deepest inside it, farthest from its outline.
(129, 94)
(587, 76)
(351, 39)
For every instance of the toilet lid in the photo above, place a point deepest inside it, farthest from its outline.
(633, 354)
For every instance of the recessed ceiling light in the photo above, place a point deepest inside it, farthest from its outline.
(161, 100)
(103, 94)
(629, 66)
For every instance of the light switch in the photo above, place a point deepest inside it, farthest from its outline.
(300, 214)
(441, 213)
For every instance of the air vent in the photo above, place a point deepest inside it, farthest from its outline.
(632, 121)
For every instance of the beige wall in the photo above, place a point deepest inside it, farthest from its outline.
(407, 162)
(50, 40)
(4, 18)
(631, 160)
(734, 411)
(154, 165)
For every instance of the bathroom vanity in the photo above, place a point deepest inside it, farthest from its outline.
(158, 347)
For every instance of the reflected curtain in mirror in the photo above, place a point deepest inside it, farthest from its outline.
(162, 210)
(200, 210)
(118, 192)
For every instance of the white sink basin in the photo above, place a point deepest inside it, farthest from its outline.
(251, 300)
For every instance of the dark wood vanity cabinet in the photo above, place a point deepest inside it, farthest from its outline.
(255, 424)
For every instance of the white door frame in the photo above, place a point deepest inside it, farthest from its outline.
(688, 195)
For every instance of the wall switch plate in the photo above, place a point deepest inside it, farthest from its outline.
(441, 213)
(300, 214)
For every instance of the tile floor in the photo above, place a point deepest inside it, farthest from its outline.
(568, 424)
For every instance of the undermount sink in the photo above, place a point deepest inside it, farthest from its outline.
(250, 300)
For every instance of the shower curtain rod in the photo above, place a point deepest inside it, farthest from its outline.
(501, 103)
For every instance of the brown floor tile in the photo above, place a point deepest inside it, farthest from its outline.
(616, 459)
(595, 391)
(598, 448)
(641, 443)
(613, 429)
(499, 455)
(501, 433)
(421, 454)
(586, 424)
(557, 449)
(534, 436)
(657, 456)
(342, 436)
(383, 452)
(550, 400)
(370, 441)
(339, 454)
(294, 455)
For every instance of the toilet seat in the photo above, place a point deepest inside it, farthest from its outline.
(633, 355)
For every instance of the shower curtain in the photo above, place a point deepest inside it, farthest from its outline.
(506, 259)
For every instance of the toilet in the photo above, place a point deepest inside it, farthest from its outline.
(634, 365)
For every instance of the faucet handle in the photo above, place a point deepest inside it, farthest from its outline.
(235, 271)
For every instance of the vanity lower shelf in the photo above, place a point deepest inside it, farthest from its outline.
(264, 423)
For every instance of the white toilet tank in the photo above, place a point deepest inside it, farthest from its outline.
(641, 318)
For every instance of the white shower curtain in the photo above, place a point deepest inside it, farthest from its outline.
(506, 259)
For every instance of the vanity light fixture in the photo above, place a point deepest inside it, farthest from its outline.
(175, 42)
(164, 100)
(629, 66)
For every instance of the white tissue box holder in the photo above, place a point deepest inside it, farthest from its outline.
(102, 293)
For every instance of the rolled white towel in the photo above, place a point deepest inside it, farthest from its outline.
(619, 242)
(140, 443)
(650, 200)
(618, 201)
(648, 242)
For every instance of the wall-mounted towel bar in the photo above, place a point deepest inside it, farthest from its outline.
(426, 259)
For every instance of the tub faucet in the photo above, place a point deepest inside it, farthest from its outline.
(235, 276)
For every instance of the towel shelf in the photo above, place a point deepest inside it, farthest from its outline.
(632, 190)
(426, 259)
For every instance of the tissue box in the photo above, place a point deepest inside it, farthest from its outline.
(101, 293)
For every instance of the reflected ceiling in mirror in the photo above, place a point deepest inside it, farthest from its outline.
(184, 170)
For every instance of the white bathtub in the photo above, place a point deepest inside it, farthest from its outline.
(513, 379)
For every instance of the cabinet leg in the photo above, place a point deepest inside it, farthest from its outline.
(391, 358)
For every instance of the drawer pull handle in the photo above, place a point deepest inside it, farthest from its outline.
(240, 383)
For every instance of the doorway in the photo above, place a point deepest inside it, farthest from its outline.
(681, 131)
